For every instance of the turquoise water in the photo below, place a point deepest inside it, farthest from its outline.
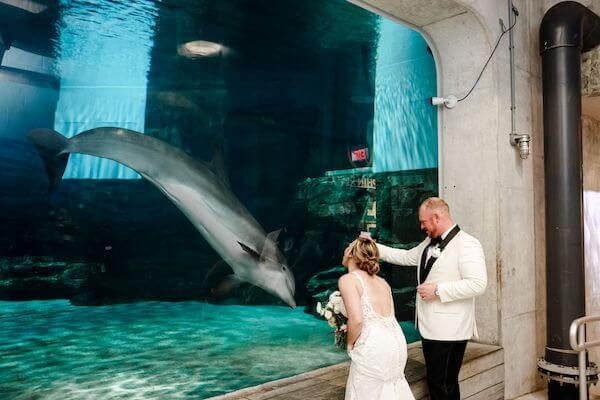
(103, 63)
(404, 120)
(154, 350)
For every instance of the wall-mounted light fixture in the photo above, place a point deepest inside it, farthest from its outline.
(522, 141)
(200, 48)
(449, 101)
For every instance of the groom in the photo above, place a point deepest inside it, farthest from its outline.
(451, 272)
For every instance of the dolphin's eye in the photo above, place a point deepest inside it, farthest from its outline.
(283, 268)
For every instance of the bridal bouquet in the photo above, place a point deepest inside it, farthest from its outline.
(335, 314)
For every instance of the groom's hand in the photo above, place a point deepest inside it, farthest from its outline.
(427, 291)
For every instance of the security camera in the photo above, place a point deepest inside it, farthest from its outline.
(449, 101)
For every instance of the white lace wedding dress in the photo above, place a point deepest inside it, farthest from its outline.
(378, 357)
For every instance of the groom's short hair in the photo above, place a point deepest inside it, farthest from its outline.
(436, 204)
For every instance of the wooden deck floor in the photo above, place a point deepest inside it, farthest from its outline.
(482, 377)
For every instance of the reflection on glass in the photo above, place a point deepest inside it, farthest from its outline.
(311, 122)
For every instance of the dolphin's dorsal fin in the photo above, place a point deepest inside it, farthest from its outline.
(249, 250)
(269, 250)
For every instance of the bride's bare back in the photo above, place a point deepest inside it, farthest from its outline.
(380, 293)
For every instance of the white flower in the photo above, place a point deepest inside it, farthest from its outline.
(436, 252)
(335, 300)
(331, 322)
(328, 314)
(344, 327)
(335, 294)
(319, 308)
(336, 308)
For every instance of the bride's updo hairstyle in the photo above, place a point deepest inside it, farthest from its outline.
(365, 255)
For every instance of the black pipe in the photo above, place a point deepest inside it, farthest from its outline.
(567, 30)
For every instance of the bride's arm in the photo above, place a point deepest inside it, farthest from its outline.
(351, 296)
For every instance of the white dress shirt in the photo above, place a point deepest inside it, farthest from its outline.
(436, 248)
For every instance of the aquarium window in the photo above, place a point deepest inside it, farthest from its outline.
(405, 132)
(103, 61)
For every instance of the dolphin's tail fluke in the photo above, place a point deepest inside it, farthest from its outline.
(51, 145)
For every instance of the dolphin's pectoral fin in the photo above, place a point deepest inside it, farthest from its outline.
(227, 285)
(249, 250)
(215, 274)
(269, 250)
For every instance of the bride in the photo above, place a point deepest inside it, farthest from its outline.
(376, 343)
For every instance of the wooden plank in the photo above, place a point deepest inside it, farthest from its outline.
(495, 392)
(340, 381)
(476, 365)
(481, 381)
(482, 375)
(477, 350)
(419, 389)
(414, 371)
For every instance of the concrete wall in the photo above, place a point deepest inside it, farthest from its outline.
(591, 153)
(591, 186)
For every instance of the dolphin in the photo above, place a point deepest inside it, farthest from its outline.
(198, 190)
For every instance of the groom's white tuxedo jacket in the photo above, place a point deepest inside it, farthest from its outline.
(460, 274)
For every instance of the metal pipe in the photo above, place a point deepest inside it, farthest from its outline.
(573, 333)
(567, 30)
(583, 395)
(564, 199)
(577, 334)
(511, 47)
(520, 140)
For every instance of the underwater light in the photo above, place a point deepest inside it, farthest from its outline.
(199, 48)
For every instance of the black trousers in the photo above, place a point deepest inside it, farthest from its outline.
(443, 360)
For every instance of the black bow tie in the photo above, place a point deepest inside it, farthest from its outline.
(435, 241)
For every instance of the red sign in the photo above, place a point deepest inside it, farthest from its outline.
(360, 154)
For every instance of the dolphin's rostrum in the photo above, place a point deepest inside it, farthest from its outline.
(194, 187)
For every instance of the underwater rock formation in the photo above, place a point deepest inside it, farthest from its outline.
(133, 244)
(25, 278)
(399, 195)
(332, 210)
(322, 284)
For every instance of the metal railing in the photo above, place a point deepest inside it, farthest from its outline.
(578, 343)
